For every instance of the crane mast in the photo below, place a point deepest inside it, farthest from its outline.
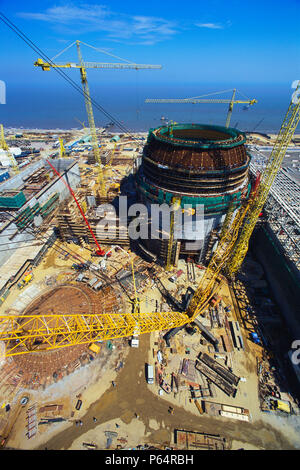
(21, 333)
(230, 109)
(89, 111)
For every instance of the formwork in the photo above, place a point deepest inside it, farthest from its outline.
(203, 165)
(12, 199)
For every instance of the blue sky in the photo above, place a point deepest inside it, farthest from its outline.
(216, 41)
(203, 46)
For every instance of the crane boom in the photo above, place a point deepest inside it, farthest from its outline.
(94, 65)
(24, 334)
(256, 204)
(197, 101)
(231, 102)
(82, 66)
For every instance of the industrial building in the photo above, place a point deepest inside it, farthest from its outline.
(27, 200)
(200, 164)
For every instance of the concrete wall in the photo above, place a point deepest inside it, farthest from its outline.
(72, 174)
(284, 278)
(17, 181)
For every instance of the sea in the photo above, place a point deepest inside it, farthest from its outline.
(51, 106)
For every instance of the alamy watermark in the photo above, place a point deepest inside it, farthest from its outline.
(2, 92)
(153, 221)
(295, 356)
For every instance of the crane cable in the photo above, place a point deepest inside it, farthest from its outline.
(36, 49)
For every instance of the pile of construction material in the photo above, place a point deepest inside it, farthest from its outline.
(222, 377)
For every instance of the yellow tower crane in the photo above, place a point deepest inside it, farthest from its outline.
(5, 147)
(200, 99)
(22, 334)
(82, 66)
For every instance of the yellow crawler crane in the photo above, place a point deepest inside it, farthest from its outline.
(268, 176)
(24, 334)
(5, 147)
(82, 66)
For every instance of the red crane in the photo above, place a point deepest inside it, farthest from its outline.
(99, 251)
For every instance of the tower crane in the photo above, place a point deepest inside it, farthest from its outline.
(82, 123)
(5, 147)
(23, 334)
(199, 99)
(82, 66)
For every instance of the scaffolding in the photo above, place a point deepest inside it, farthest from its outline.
(283, 213)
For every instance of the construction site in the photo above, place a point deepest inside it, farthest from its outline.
(174, 340)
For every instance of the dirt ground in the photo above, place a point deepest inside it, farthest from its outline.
(119, 404)
(115, 408)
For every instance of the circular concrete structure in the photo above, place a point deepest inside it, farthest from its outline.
(44, 367)
(202, 164)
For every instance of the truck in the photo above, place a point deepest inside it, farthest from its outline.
(280, 405)
(94, 348)
(149, 374)
(26, 279)
(255, 338)
(134, 343)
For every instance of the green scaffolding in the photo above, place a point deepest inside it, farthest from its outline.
(217, 204)
(28, 214)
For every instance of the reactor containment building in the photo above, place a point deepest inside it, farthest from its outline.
(200, 164)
